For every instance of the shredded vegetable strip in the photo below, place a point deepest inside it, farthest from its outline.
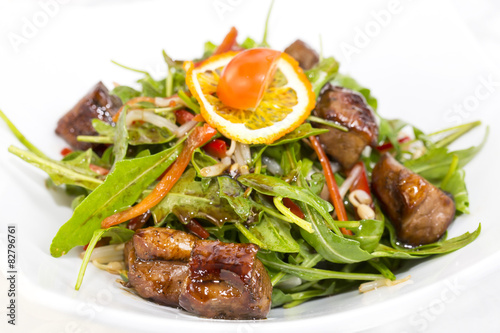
(226, 45)
(228, 42)
(331, 183)
(133, 101)
(196, 139)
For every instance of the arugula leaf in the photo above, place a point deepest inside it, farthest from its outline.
(434, 164)
(60, 172)
(440, 247)
(456, 187)
(139, 134)
(125, 93)
(270, 259)
(289, 300)
(230, 190)
(276, 187)
(249, 43)
(121, 138)
(323, 72)
(331, 246)
(199, 160)
(303, 131)
(274, 235)
(122, 188)
(368, 234)
(188, 199)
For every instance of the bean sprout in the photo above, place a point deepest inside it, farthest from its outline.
(151, 118)
(372, 285)
(349, 180)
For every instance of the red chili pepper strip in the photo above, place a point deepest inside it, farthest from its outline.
(66, 151)
(361, 183)
(388, 145)
(197, 138)
(216, 148)
(331, 183)
(293, 207)
(197, 229)
(99, 170)
(183, 116)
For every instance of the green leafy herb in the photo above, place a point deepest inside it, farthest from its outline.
(60, 172)
(303, 131)
(117, 234)
(232, 191)
(122, 188)
(189, 199)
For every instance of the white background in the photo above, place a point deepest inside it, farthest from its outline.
(426, 58)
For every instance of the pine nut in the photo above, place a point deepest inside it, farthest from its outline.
(359, 197)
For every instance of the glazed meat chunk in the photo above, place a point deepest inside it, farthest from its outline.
(163, 243)
(98, 103)
(347, 108)
(227, 281)
(158, 280)
(303, 53)
(419, 211)
(209, 278)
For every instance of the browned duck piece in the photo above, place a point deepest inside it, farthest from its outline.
(303, 53)
(347, 108)
(419, 211)
(98, 103)
(209, 278)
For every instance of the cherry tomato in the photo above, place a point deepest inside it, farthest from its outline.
(246, 77)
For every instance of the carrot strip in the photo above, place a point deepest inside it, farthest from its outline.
(197, 138)
(228, 42)
(331, 183)
(133, 101)
(227, 45)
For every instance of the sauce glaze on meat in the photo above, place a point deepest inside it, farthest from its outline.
(209, 278)
(419, 211)
(347, 108)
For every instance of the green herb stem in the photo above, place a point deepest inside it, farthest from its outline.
(264, 37)
(327, 123)
(451, 171)
(130, 68)
(21, 137)
(249, 235)
(190, 104)
(95, 138)
(90, 248)
(297, 220)
(459, 131)
(315, 274)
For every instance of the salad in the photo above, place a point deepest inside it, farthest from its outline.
(251, 178)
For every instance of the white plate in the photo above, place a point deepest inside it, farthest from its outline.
(419, 61)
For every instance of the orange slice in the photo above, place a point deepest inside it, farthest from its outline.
(286, 103)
